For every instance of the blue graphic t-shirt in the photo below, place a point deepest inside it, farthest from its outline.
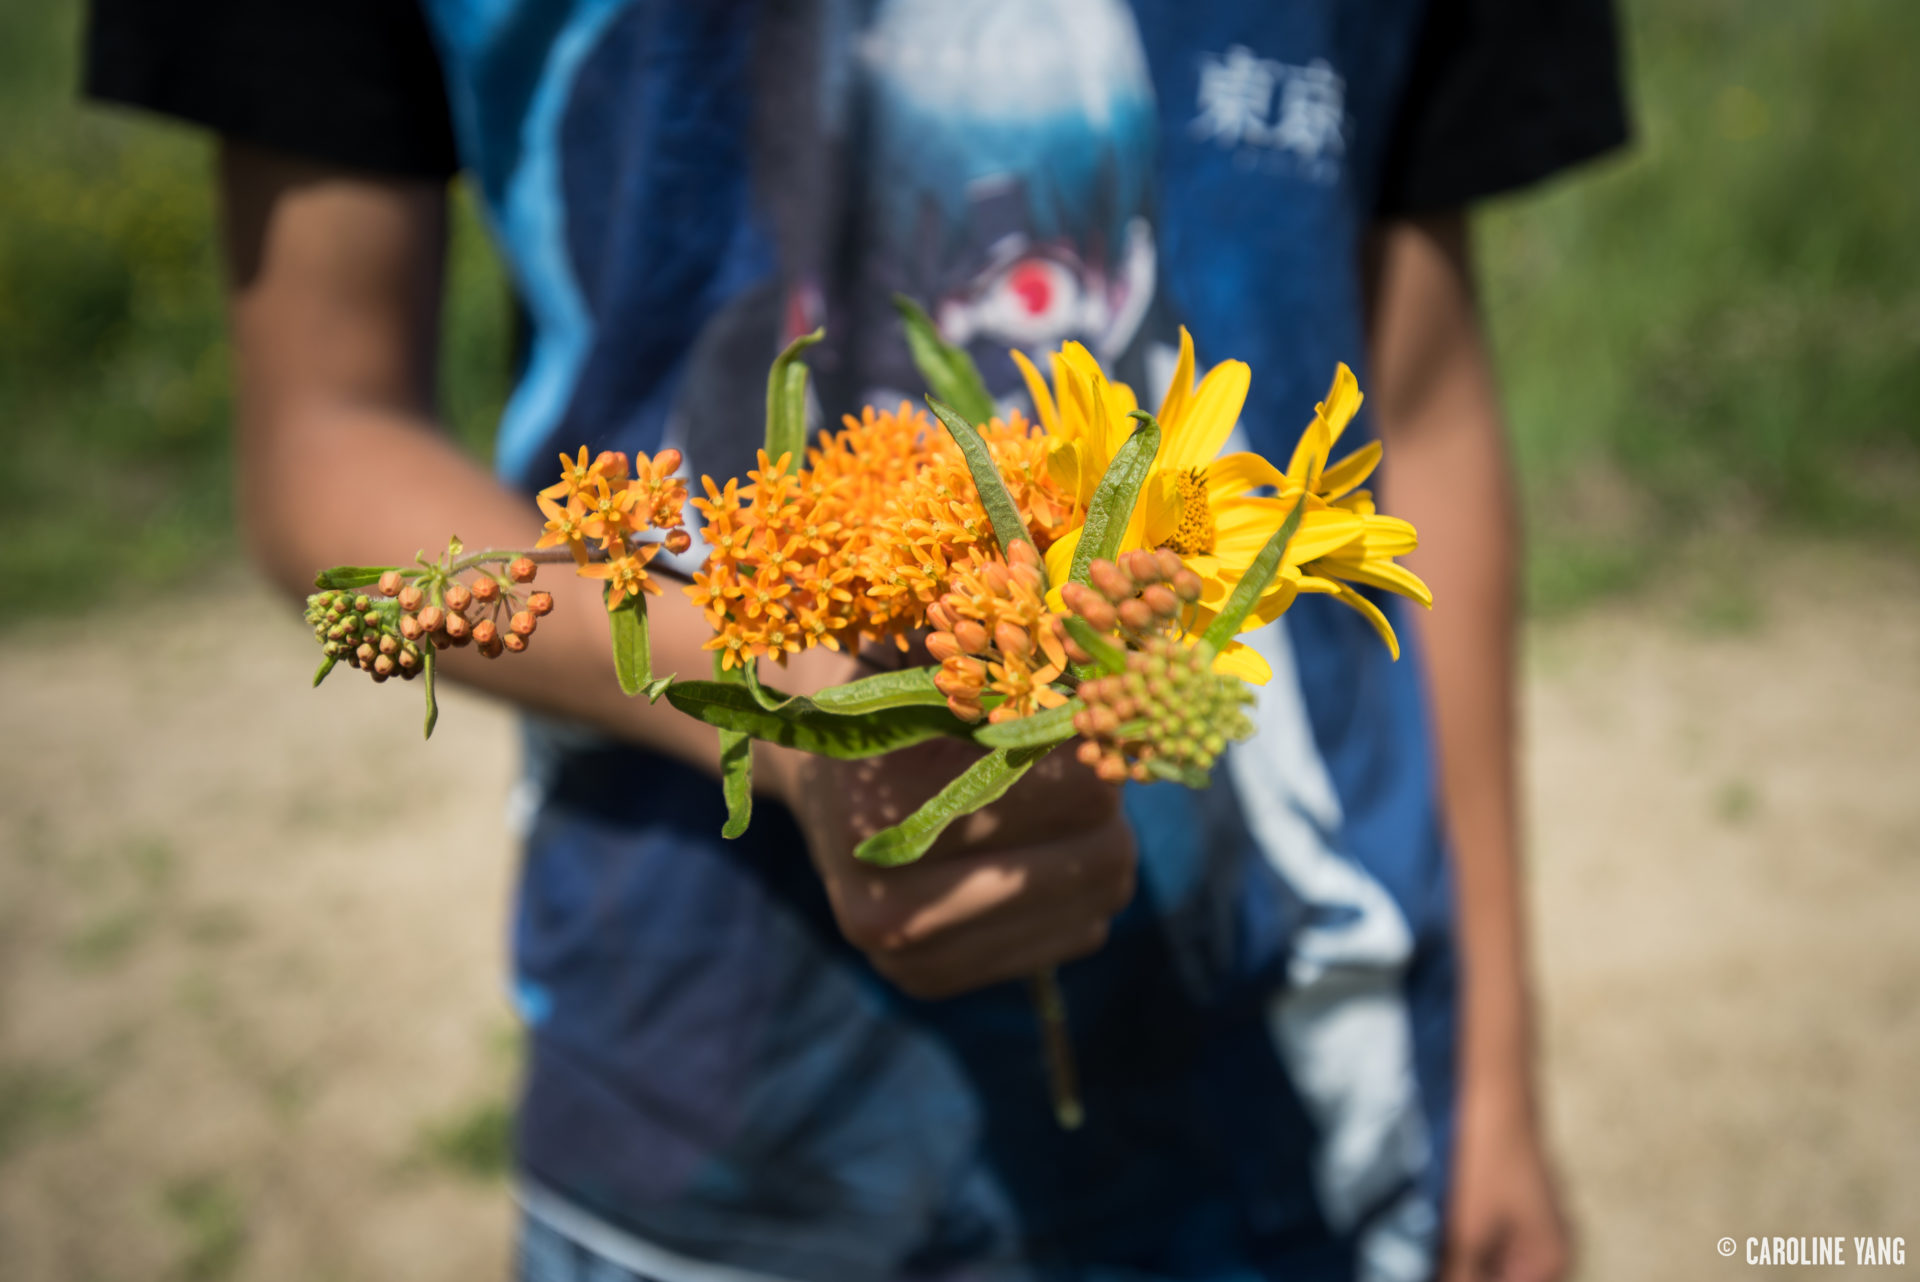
(678, 187)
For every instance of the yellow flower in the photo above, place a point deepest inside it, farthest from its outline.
(1192, 502)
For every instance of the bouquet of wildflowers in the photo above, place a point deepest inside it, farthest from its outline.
(1082, 575)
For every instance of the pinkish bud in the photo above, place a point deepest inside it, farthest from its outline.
(1143, 566)
(485, 632)
(514, 642)
(1089, 753)
(433, 618)
(971, 636)
(522, 569)
(410, 627)
(1187, 585)
(1012, 639)
(412, 598)
(541, 603)
(1111, 581)
(1160, 599)
(677, 541)
(942, 646)
(458, 629)
(1136, 615)
(522, 623)
(666, 462)
(458, 597)
(486, 589)
(391, 583)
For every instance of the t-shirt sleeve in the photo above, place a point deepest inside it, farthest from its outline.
(1501, 94)
(351, 82)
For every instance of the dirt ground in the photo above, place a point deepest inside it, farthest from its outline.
(252, 1025)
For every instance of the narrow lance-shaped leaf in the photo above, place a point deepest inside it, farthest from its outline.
(796, 723)
(350, 576)
(1259, 576)
(1110, 657)
(632, 650)
(907, 688)
(1041, 730)
(1008, 528)
(657, 687)
(736, 761)
(326, 666)
(1112, 504)
(980, 784)
(787, 401)
(950, 373)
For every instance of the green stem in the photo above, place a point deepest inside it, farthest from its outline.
(1056, 1042)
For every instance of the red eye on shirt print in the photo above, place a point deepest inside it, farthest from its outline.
(1030, 300)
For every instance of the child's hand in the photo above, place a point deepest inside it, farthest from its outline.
(1029, 882)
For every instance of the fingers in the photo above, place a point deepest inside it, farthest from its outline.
(937, 929)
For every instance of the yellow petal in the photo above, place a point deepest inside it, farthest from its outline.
(1371, 613)
(1342, 403)
(1310, 455)
(1378, 574)
(1350, 471)
(1241, 660)
(1060, 558)
(1180, 390)
(1237, 473)
(1037, 389)
(1063, 465)
(1204, 429)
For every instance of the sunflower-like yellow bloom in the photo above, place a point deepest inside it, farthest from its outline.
(1205, 509)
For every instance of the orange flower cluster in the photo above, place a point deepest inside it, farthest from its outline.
(858, 543)
(606, 502)
(996, 635)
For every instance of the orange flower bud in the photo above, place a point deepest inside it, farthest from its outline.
(541, 603)
(383, 665)
(1170, 563)
(1161, 600)
(439, 639)
(365, 655)
(613, 465)
(1111, 581)
(492, 647)
(412, 598)
(942, 646)
(1143, 566)
(486, 589)
(997, 577)
(1136, 615)
(433, 618)
(390, 583)
(522, 569)
(1099, 614)
(410, 627)
(408, 659)
(513, 641)
(485, 632)
(521, 623)
(457, 628)
(666, 462)
(971, 636)
(458, 597)
(1111, 769)
(389, 644)
(677, 541)
(1088, 753)
(1023, 553)
(1074, 653)
(1187, 585)
(941, 617)
(1012, 639)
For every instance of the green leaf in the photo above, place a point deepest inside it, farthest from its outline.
(787, 401)
(1008, 528)
(950, 373)
(980, 784)
(632, 651)
(351, 576)
(1111, 658)
(736, 758)
(1259, 576)
(1041, 730)
(1113, 499)
(426, 679)
(657, 687)
(1186, 776)
(798, 724)
(326, 666)
(907, 688)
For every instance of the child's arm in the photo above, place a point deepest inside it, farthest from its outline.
(1447, 472)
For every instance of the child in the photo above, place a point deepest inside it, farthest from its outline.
(746, 1064)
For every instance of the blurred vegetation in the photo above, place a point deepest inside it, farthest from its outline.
(1714, 334)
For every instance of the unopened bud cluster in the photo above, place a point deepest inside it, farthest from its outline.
(994, 634)
(1167, 705)
(486, 612)
(362, 632)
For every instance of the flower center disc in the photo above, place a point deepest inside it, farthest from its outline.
(1195, 533)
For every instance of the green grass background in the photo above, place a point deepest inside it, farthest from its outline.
(1715, 336)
